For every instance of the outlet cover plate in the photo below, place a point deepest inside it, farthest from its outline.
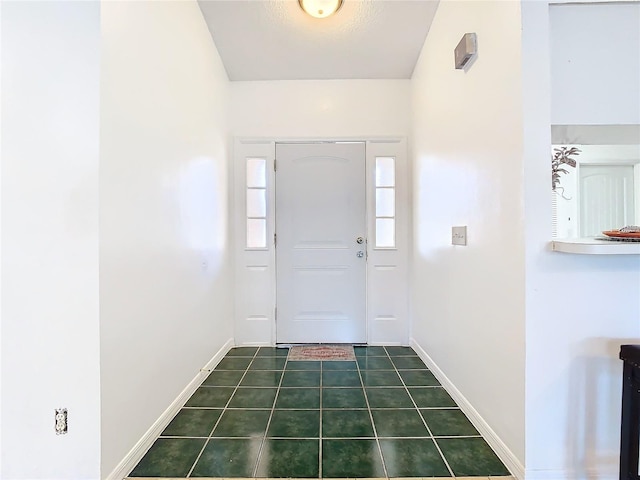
(459, 235)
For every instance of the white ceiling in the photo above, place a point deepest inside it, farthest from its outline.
(276, 40)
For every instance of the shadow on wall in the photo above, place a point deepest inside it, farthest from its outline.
(595, 392)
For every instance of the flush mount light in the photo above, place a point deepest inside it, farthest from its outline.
(320, 8)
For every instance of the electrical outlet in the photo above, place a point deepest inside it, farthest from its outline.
(61, 421)
(459, 235)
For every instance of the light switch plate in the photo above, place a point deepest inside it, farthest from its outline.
(459, 235)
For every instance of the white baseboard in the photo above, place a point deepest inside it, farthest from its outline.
(499, 447)
(132, 458)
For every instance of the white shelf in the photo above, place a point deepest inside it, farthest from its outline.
(592, 246)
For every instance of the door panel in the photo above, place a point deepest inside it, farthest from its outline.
(320, 213)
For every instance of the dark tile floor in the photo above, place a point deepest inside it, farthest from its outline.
(260, 415)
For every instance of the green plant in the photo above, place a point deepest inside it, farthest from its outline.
(562, 156)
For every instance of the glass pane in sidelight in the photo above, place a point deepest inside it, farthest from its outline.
(257, 172)
(385, 172)
(385, 202)
(256, 233)
(385, 232)
(256, 202)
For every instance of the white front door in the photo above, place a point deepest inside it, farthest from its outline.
(606, 198)
(320, 264)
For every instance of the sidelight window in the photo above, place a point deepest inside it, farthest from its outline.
(256, 201)
(385, 229)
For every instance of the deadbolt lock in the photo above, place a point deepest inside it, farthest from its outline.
(360, 240)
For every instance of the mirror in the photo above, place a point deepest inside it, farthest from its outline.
(602, 192)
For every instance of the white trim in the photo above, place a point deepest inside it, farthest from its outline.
(138, 451)
(498, 446)
(363, 138)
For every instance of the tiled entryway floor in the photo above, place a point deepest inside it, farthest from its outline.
(260, 415)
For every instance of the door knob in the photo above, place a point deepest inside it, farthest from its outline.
(360, 254)
(360, 240)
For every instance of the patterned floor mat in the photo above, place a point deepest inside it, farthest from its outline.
(322, 352)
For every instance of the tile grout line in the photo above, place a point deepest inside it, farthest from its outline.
(273, 407)
(326, 408)
(413, 437)
(224, 409)
(373, 425)
(421, 417)
(320, 430)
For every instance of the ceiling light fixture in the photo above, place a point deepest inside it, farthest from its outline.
(320, 8)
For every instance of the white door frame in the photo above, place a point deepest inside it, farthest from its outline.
(387, 317)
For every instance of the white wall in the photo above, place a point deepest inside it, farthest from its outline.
(165, 289)
(50, 134)
(0, 238)
(579, 308)
(595, 64)
(322, 108)
(468, 302)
